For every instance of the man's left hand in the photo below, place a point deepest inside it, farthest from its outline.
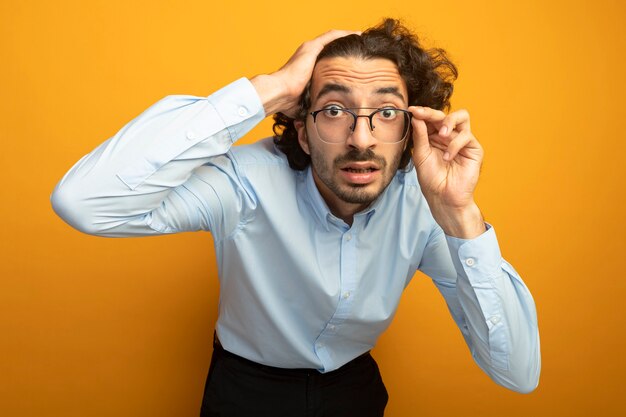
(447, 158)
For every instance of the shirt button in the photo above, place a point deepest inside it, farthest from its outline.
(191, 135)
(348, 237)
(346, 295)
(242, 111)
(470, 262)
(331, 327)
(495, 319)
(319, 345)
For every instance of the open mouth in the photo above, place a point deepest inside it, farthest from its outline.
(360, 167)
(359, 170)
(360, 173)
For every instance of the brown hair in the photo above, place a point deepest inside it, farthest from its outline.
(428, 74)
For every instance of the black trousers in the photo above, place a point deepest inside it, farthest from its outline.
(237, 387)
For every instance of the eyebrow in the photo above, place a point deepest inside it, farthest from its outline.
(331, 87)
(328, 88)
(390, 90)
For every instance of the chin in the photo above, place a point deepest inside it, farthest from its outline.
(359, 194)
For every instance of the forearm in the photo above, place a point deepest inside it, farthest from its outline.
(490, 304)
(498, 313)
(113, 190)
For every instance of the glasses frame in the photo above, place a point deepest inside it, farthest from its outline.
(370, 117)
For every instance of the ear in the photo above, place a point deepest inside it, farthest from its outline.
(303, 140)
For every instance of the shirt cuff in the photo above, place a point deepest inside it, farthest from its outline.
(239, 106)
(478, 259)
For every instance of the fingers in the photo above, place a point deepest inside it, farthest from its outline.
(432, 117)
(427, 114)
(315, 46)
(444, 123)
(461, 141)
(331, 35)
(458, 120)
(449, 133)
(302, 61)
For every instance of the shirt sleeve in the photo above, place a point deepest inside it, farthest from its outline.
(491, 305)
(138, 181)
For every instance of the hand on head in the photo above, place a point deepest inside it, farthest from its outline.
(281, 90)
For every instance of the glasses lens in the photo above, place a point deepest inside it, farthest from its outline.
(390, 125)
(335, 124)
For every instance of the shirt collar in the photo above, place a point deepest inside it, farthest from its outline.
(318, 205)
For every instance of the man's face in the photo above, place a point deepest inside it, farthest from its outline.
(352, 174)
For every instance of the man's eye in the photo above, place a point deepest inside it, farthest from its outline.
(333, 111)
(388, 114)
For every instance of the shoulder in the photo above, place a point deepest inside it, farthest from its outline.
(262, 152)
(262, 165)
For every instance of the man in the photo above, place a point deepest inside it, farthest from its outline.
(318, 232)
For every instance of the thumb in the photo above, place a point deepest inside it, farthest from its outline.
(421, 145)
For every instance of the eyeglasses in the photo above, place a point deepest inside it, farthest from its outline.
(334, 124)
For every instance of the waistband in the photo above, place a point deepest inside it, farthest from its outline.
(358, 361)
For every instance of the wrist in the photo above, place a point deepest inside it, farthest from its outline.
(273, 92)
(460, 222)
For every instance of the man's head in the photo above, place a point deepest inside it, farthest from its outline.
(383, 67)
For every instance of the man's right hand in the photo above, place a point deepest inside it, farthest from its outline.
(281, 90)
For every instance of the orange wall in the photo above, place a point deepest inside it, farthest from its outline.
(111, 327)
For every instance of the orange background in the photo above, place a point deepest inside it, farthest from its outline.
(113, 327)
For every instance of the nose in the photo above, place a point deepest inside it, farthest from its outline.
(361, 137)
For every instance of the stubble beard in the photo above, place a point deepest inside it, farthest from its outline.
(353, 193)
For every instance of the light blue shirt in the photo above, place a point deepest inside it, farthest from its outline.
(299, 288)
